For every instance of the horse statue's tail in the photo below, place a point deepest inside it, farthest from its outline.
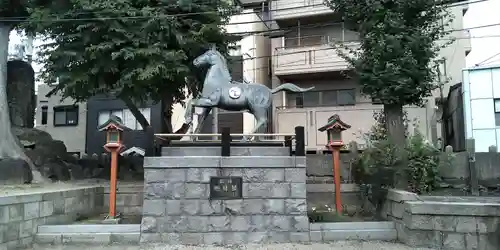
(290, 87)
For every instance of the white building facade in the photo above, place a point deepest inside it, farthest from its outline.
(481, 95)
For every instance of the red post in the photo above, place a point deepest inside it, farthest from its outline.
(336, 175)
(112, 183)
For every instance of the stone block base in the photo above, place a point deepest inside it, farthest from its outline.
(178, 209)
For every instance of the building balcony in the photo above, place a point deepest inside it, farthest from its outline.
(293, 9)
(309, 57)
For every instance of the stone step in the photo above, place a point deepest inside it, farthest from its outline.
(86, 238)
(353, 225)
(216, 151)
(89, 228)
(357, 234)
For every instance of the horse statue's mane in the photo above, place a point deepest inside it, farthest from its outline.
(224, 64)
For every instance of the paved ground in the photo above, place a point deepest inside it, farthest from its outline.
(340, 245)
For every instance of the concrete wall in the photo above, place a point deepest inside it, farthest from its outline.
(128, 198)
(453, 223)
(455, 178)
(75, 142)
(487, 167)
(456, 174)
(21, 214)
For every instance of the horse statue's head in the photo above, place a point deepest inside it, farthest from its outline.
(210, 57)
(217, 61)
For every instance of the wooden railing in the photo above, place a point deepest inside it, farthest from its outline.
(217, 136)
(225, 138)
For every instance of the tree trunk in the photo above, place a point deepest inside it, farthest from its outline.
(166, 110)
(394, 118)
(136, 112)
(167, 127)
(9, 146)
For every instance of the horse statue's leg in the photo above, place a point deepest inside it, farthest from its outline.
(202, 118)
(260, 114)
(188, 115)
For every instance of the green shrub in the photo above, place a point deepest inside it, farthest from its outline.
(424, 161)
(376, 166)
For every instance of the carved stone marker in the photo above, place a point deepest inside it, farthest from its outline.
(21, 93)
(226, 188)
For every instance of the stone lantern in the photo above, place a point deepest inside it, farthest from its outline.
(334, 128)
(114, 134)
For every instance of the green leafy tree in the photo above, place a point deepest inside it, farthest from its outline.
(395, 59)
(12, 13)
(136, 50)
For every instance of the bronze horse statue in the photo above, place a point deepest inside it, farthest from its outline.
(220, 91)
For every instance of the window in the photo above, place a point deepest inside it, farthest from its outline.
(307, 99)
(66, 115)
(127, 117)
(340, 97)
(497, 112)
(44, 114)
(330, 98)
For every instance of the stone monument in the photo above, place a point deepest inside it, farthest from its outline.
(21, 93)
(49, 156)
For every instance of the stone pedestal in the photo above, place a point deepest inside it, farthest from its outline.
(178, 210)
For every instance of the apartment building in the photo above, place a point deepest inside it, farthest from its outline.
(304, 56)
(481, 105)
(64, 120)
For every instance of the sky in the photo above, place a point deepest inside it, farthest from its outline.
(480, 14)
(484, 48)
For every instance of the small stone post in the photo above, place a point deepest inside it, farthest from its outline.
(226, 142)
(300, 145)
(353, 155)
(471, 150)
(448, 149)
(288, 143)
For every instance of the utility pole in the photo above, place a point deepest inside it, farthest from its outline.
(441, 101)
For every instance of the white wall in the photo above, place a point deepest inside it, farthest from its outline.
(481, 88)
(255, 50)
(73, 136)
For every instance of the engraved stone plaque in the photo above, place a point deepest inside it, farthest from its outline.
(226, 188)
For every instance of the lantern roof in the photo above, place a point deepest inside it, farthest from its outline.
(114, 122)
(334, 123)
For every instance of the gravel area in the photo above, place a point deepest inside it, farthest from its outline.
(339, 245)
